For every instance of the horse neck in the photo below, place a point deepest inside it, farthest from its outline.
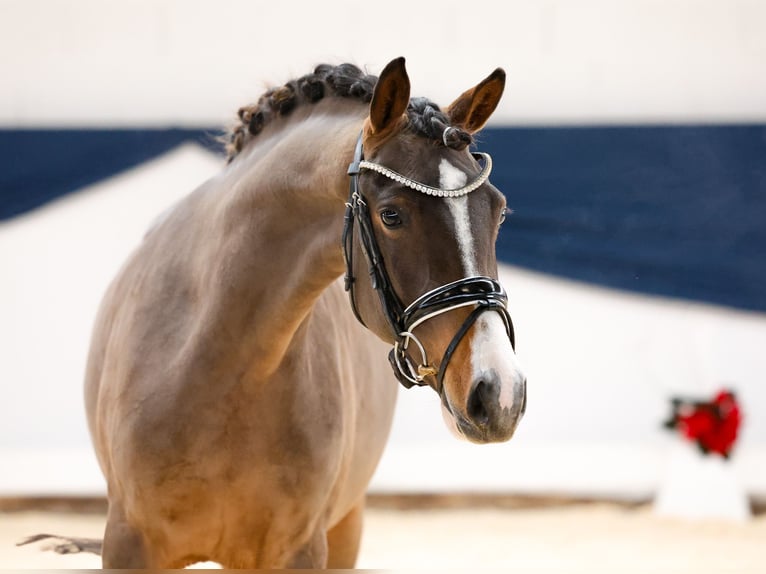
(285, 197)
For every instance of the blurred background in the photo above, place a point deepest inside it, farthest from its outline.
(631, 144)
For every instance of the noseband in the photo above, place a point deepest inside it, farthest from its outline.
(481, 293)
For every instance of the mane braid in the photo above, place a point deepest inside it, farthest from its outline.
(343, 81)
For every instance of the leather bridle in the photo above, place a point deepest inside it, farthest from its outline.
(481, 293)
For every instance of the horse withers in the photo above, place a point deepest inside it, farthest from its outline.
(238, 399)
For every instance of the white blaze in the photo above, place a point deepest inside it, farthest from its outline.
(451, 177)
(491, 348)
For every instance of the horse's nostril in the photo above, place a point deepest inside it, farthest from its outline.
(477, 404)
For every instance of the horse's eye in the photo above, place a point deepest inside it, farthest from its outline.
(390, 218)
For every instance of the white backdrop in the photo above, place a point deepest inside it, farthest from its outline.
(75, 62)
(600, 363)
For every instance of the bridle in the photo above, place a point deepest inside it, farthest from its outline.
(482, 293)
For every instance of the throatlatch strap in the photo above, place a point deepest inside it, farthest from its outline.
(347, 238)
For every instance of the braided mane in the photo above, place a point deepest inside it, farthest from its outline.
(343, 81)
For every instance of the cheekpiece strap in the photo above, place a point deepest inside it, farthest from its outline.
(358, 212)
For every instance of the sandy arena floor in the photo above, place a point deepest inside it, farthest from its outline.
(575, 538)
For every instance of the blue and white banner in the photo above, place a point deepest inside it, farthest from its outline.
(665, 210)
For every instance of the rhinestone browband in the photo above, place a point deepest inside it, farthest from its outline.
(435, 191)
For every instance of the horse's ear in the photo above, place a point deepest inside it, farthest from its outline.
(472, 109)
(390, 98)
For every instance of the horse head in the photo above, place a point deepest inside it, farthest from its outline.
(426, 217)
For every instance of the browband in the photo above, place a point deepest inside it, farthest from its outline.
(435, 191)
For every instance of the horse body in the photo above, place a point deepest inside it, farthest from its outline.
(237, 407)
(222, 369)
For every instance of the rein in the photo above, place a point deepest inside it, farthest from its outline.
(482, 293)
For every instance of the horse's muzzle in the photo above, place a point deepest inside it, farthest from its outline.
(487, 417)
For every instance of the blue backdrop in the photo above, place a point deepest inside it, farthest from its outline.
(669, 210)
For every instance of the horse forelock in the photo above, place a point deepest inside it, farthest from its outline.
(424, 117)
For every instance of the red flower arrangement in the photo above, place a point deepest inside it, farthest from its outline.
(712, 425)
